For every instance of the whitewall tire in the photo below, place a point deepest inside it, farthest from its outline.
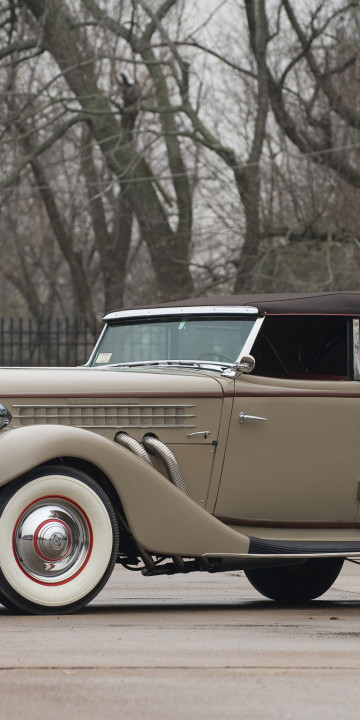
(58, 540)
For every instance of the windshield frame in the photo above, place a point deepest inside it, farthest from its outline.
(147, 313)
(115, 318)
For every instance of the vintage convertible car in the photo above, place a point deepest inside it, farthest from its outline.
(213, 434)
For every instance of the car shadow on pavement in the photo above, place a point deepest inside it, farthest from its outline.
(163, 607)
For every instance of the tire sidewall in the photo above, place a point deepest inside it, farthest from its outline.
(55, 483)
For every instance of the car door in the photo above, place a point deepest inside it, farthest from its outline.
(292, 453)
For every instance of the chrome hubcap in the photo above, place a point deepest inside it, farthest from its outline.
(52, 540)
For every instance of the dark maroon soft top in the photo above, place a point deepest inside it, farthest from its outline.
(329, 303)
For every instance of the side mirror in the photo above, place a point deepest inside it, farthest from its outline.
(246, 364)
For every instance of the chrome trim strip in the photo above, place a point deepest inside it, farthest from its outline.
(168, 311)
(282, 556)
(94, 351)
(356, 348)
(246, 350)
(93, 405)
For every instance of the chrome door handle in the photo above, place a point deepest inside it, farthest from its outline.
(243, 417)
(204, 433)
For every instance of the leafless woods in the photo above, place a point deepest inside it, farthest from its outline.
(156, 149)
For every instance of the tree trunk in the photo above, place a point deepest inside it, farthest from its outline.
(249, 190)
(59, 38)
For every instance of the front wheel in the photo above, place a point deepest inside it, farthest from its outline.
(59, 540)
(296, 583)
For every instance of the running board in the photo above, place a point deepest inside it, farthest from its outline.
(280, 557)
(271, 552)
(259, 546)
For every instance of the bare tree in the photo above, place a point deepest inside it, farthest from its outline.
(172, 148)
(314, 115)
(61, 39)
(111, 126)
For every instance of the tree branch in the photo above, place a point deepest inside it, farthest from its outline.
(38, 150)
(337, 103)
(19, 46)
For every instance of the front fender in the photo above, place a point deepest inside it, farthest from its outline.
(162, 519)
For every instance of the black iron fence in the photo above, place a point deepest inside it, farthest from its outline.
(47, 342)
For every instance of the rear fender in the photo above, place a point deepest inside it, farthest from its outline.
(162, 518)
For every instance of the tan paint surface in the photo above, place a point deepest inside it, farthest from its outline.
(299, 465)
(162, 519)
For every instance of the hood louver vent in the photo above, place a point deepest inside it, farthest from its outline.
(107, 416)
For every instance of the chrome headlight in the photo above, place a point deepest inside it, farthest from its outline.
(5, 416)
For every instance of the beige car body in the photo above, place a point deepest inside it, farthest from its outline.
(252, 475)
(270, 458)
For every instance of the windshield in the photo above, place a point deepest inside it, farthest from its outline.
(203, 339)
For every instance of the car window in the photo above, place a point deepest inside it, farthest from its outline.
(185, 338)
(306, 346)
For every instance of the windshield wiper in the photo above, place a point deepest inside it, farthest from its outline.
(171, 363)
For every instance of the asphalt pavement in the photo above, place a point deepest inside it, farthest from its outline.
(175, 648)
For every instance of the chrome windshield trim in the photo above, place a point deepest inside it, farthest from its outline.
(356, 348)
(175, 311)
(94, 351)
(246, 350)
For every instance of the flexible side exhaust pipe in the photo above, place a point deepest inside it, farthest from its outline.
(167, 456)
(131, 444)
(158, 448)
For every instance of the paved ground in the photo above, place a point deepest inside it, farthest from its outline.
(178, 648)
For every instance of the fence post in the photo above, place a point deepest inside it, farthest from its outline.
(11, 342)
(2, 341)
